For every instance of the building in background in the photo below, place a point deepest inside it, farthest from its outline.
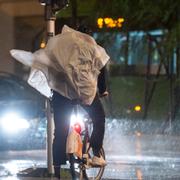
(21, 21)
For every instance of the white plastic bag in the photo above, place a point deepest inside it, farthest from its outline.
(70, 63)
(38, 81)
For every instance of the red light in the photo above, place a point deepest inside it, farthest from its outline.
(77, 127)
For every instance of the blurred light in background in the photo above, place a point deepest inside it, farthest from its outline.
(100, 22)
(42, 45)
(137, 108)
(110, 22)
(13, 123)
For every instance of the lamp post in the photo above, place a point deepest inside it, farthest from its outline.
(50, 25)
(51, 7)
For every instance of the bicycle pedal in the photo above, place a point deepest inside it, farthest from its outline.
(88, 164)
(86, 156)
(87, 161)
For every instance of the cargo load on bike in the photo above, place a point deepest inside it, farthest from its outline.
(69, 64)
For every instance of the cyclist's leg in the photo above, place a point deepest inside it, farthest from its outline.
(62, 108)
(97, 114)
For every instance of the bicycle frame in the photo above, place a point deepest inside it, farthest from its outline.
(81, 129)
(79, 126)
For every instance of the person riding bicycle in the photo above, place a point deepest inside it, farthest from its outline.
(62, 107)
(72, 65)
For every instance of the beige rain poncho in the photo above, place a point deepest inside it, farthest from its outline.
(70, 64)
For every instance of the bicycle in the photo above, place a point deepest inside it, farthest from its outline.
(81, 166)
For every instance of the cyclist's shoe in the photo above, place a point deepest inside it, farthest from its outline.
(98, 161)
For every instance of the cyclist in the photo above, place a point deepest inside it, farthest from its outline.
(62, 107)
(70, 65)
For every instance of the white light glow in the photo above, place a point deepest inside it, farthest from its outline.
(12, 123)
(77, 118)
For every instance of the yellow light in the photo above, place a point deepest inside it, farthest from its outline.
(137, 108)
(42, 45)
(100, 22)
(120, 20)
(109, 22)
(111, 25)
(119, 25)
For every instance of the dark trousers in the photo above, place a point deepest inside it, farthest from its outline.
(62, 108)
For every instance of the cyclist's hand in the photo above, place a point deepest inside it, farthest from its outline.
(104, 94)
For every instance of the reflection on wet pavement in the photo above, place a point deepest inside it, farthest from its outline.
(130, 155)
(28, 178)
(12, 162)
(119, 167)
(159, 169)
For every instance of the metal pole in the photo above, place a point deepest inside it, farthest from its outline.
(50, 19)
(50, 128)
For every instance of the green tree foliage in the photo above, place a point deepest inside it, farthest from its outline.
(146, 16)
(141, 14)
(150, 15)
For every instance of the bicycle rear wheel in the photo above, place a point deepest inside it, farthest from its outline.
(95, 172)
(81, 170)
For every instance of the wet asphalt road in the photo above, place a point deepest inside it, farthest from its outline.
(129, 157)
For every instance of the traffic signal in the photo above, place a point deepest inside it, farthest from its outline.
(56, 4)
